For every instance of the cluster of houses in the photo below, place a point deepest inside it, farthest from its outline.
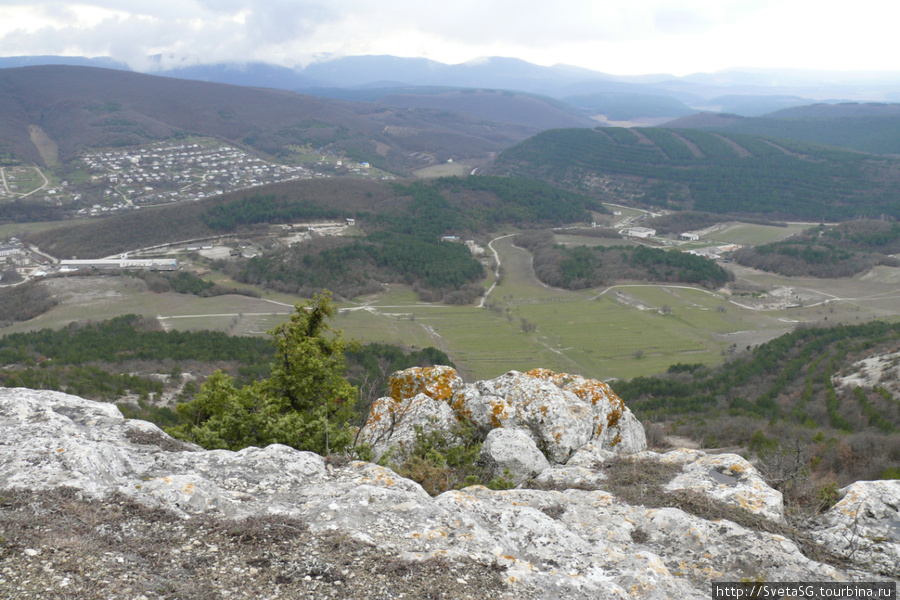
(14, 255)
(169, 172)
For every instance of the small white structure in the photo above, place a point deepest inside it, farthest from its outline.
(689, 236)
(640, 232)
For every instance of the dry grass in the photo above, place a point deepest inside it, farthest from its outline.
(58, 545)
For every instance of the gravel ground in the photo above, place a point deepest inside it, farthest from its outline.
(57, 545)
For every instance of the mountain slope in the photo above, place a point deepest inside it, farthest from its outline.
(714, 172)
(515, 108)
(81, 107)
(867, 127)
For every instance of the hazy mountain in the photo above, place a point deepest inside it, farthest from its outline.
(251, 74)
(75, 107)
(7, 62)
(623, 106)
(742, 91)
(530, 110)
(753, 105)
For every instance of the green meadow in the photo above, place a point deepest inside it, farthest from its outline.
(619, 331)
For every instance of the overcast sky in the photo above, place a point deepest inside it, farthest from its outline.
(613, 36)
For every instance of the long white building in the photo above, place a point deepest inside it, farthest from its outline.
(151, 264)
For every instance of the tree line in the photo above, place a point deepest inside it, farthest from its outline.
(580, 267)
(822, 251)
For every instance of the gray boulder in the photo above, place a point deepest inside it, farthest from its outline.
(512, 451)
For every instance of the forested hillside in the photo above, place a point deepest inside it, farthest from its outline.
(724, 173)
(78, 107)
(791, 390)
(580, 267)
(398, 237)
(840, 251)
(408, 245)
(866, 127)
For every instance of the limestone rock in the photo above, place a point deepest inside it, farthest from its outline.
(570, 477)
(392, 422)
(590, 456)
(438, 382)
(732, 480)
(615, 426)
(571, 544)
(562, 412)
(864, 526)
(515, 451)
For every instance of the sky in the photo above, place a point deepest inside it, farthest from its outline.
(620, 37)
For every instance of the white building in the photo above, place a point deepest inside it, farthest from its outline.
(640, 232)
(152, 264)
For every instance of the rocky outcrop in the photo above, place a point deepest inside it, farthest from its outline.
(864, 526)
(543, 543)
(560, 412)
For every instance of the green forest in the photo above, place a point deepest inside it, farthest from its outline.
(839, 251)
(714, 172)
(413, 245)
(787, 388)
(580, 267)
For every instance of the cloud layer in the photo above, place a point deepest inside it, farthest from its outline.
(616, 36)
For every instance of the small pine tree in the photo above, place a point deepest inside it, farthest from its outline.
(306, 403)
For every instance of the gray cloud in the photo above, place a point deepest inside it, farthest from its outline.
(593, 33)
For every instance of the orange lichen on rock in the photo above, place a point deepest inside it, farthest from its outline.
(612, 418)
(498, 414)
(588, 390)
(439, 383)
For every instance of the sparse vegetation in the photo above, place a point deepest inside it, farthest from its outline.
(822, 251)
(785, 389)
(23, 302)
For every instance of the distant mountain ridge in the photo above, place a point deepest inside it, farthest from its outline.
(78, 107)
(744, 91)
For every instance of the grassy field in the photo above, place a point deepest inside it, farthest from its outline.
(23, 180)
(752, 235)
(8, 230)
(443, 170)
(620, 331)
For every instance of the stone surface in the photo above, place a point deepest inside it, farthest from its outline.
(562, 412)
(438, 382)
(571, 544)
(615, 426)
(864, 526)
(730, 479)
(512, 451)
(392, 422)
